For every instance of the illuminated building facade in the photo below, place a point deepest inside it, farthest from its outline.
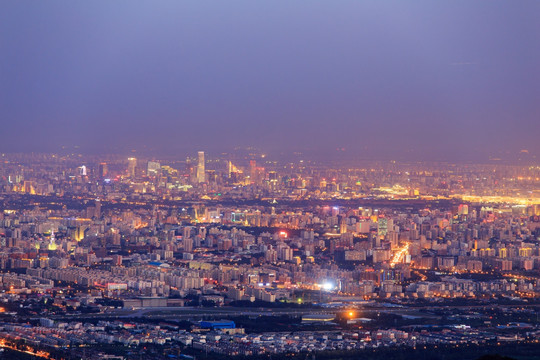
(201, 175)
(153, 168)
(132, 164)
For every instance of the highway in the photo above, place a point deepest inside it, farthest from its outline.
(197, 313)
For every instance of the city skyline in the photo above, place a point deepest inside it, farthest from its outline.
(452, 81)
(246, 255)
(278, 180)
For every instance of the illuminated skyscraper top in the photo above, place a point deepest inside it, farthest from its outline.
(201, 176)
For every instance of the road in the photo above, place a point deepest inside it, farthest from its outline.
(198, 313)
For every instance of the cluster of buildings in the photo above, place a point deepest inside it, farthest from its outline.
(313, 341)
(253, 175)
(225, 339)
(219, 232)
(340, 250)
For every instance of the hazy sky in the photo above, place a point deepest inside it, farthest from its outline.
(431, 79)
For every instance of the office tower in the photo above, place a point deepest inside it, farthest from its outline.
(200, 168)
(211, 176)
(188, 244)
(117, 260)
(153, 168)
(97, 212)
(252, 170)
(187, 232)
(233, 172)
(463, 209)
(103, 170)
(191, 170)
(82, 170)
(382, 228)
(80, 232)
(343, 226)
(52, 243)
(132, 164)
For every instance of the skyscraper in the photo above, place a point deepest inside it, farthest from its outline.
(153, 168)
(103, 170)
(97, 212)
(132, 164)
(52, 244)
(463, 209)
(201, 176)
(252, 170)
(382, 226)
(229, 168)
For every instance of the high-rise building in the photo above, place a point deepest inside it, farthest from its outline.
(132, 164)
(201, 175)
(229, 168)
(382, 228)
(52, 243)
(117, 260)
(188, 244)
(153, 168)
(252, 170)
(97, 212)
(342, 226)
(103, 170)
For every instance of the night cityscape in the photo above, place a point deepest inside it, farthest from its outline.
(270, 180)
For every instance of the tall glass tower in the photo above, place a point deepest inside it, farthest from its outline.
(201, 176)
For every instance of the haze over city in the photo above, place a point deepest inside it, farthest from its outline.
(423, 80)
(279, 180)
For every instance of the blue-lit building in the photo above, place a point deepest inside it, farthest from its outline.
(215, 325)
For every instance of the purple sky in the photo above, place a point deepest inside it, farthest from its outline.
(418, 79)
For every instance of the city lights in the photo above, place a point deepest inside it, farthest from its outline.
(269, 180)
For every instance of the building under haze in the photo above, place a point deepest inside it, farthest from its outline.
(200, 168)
(103, 170)
(153, 168)
(132, 164)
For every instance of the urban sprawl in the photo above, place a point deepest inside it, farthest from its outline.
(238, 254)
